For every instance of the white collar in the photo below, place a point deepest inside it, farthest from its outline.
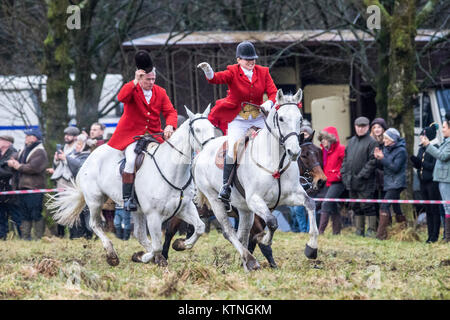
(248, 73)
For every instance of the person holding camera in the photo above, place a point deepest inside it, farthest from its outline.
(8, 204)
(424, 164)
(60, 172)
(74, 160)
(441, 171)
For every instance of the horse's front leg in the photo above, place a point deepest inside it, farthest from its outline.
(154, 223)
(303, 199)
(190, 215)
(249, 261)
(140, 232)
(245, 224)
(258, 206)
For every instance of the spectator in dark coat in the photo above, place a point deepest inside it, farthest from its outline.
(441, 172)
(377, 128)
(358, 174)
(30, 166)
(8, 204)
(393, 157)
(424, 163)
(75, 160)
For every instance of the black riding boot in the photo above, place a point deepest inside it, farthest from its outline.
(127, 189)
(225, 191)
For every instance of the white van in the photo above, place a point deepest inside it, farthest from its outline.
(432, 105)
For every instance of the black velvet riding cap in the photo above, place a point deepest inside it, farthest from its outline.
(143, 61)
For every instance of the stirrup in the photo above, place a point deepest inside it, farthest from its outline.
(129, 205)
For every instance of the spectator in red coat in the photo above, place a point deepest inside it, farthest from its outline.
(333, 155)
(143, 103)
(247, 82)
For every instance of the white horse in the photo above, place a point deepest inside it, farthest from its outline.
(266, 175)
(163, 185)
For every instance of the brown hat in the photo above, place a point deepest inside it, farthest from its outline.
(362, 121)
(7, 138)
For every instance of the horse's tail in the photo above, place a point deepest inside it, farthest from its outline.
(67, 205)
(200, 199)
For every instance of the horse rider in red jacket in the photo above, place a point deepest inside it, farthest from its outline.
(143, 102)
(333, 155)
(247, 82)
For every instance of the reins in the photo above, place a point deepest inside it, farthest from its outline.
(186, 185)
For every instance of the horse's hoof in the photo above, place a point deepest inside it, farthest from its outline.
(113, 260)
(273, 265)
(137, 256)
(310, 253)
(251, 263)
(161, 261)
(179, 245)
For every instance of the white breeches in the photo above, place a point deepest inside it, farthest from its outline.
(130, 157)
(237, 129)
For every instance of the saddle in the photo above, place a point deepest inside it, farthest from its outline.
(239, 148)
(145, 142)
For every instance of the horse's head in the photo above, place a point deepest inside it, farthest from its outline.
(284, 120)
(310, 164)
(201, 130)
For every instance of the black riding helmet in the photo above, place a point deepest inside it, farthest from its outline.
(246, 50)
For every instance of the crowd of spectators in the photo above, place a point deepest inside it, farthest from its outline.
(29, 169)
(372, 166)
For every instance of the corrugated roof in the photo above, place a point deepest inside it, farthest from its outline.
(273, 37)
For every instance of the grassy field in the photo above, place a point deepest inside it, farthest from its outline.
(347, 267)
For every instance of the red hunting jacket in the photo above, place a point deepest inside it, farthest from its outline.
(139, 116)
(332, 159)
(239, 90)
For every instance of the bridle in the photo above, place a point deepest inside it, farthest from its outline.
(276, 122)
(191, 131)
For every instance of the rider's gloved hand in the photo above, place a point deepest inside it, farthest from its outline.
(209, 73)
(266, 106)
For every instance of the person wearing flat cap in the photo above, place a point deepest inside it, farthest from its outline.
(247, 82)
(8, 204)
(393, 157)
(441, 171)
(424, 163)
(60, 171)
(358, 175)
(143, 101)
(30, 166)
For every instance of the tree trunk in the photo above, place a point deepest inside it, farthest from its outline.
(402, 76)
(382, 76)
(56, 66)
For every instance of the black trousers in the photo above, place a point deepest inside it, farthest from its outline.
(362, 209)
(430, 191)
(334, 191)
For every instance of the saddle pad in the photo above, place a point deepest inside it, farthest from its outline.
(239, 147)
